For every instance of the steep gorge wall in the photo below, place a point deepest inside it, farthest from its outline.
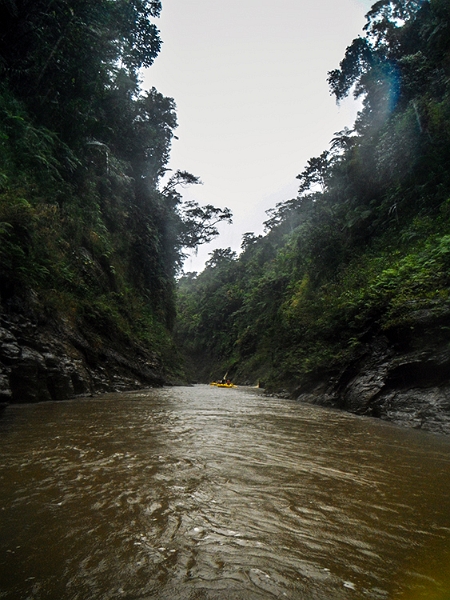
(45, 359)
(401, 375)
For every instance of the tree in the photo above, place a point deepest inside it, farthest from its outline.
(315, 173)
(194, 224)
(220, 257)
(249, 239)
(370, 66)
(199, 223)
(61, 56)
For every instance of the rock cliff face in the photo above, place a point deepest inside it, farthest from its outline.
(43, 359)
(401, 376)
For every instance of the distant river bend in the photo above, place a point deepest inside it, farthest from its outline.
(205, 493)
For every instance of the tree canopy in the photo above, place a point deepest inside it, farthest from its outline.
(87, 228)
(364, 244)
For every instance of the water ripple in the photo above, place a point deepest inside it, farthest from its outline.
(204, 493)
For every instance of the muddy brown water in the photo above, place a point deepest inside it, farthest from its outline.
(206, 493)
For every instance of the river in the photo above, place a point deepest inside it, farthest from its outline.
(205, 493)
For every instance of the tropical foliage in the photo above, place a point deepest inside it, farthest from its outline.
(365, 245)
(86, 231)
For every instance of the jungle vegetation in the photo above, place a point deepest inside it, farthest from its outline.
(365, 245)
(87, 230)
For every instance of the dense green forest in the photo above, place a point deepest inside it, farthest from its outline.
(363, 252)
(88, 234)
(349, 275)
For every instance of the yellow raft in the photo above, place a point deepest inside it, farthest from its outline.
(223, 385)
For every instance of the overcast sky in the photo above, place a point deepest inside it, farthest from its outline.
(249, 81)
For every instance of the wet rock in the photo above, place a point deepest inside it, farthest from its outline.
(27, 378)
(402, 376)
(5, 390)
(10, 352)
(44, 360)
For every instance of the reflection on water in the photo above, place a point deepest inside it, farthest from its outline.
(205, 493)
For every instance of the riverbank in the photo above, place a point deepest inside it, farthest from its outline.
(401, 375)
(44, 358)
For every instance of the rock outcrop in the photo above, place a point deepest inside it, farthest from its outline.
(401, 375)
(51, 359)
